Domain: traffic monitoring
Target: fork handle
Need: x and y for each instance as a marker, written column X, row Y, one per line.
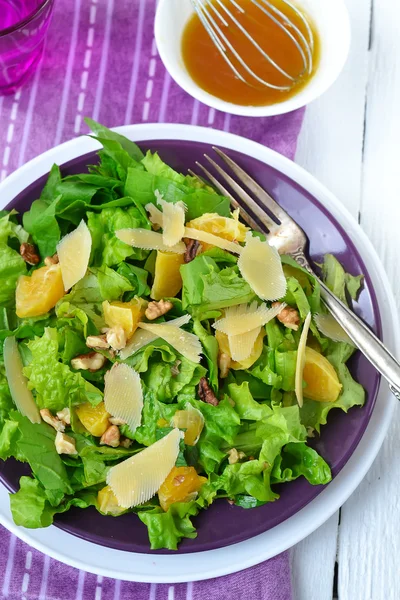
column 377, row 354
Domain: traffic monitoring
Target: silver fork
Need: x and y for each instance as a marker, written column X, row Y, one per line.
column 288, row 237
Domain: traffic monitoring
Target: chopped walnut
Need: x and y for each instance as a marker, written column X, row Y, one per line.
column 157, row 309
column 175, row 368
column 65, row 444
column 29, row 253
column 126, row 443
column 224, row 363
column 178, row 480
column 51, row 260
column 310, row 432
column 110, row 437
column 288, row 316
column 97, row 341
column 116, row 337
column 116, row 421
column 234, row 456
column 206, row 394
column 47, row 417
column 65, row 416
column 193, row 247
column 93, row 361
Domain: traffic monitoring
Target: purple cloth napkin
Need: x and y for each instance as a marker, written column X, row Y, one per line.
column 101, row 60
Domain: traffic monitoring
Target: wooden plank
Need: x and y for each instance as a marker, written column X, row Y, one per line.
column 313, row 563
column 330, row 147
column 331, row 141
column 370, row 531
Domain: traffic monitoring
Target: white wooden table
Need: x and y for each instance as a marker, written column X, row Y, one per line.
column 350, row 141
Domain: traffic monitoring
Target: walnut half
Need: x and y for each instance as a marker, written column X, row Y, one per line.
column 157, row 309
column 193, row 247
column 110, row 437
column 51, row 260
column 93, row 361
column 55, row 422
column 65, row 444
column 234, row 456
column 206, row 394
column 29, row 253
column 289, row 316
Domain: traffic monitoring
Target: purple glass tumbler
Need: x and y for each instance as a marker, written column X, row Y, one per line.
column 23, row 27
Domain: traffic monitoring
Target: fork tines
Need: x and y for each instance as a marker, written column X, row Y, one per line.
column 251, row 212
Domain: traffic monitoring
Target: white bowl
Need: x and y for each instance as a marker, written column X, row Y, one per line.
column 332, row 22
column 169, row 568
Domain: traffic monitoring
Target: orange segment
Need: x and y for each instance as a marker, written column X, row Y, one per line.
column 192, row 421
column 181, row 485
column 125, row 314
column 108, row 503
column 40, row 292
column 228, row 228
column 94, row 418
column 323, row 384
column 223, row 343
column 167, row 278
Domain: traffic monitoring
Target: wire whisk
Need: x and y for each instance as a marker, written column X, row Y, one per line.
column 217, row 17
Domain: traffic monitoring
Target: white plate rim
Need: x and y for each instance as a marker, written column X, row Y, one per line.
column 150, row 568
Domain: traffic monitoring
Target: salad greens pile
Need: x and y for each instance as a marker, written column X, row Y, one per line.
column 254, row 438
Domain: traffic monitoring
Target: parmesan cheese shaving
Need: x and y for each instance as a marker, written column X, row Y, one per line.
column 138, row 478
column 248, row 321
column 301, row 360
column 185, row 343
column 148, row 240
column 329, row 327
column 260, row 265
column 173, row 222
column 213, row 240
column 18, row 383
column 73, row 255
column 155, row 215
column 241, row 346
column 143, row 337
column 123, row 396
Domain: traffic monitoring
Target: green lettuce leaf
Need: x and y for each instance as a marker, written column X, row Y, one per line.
column 264, row 439
column 210, row 347
column 314, row 414
column 12, row 265
column 141, row 186
column 137, row 277
column 6, row 402
column 86, row 296
column 40, row 221
column 54, row 382
column 154, row 165
column 30, row 507
column 107, row 249
column 298, row 460
column 338, row 281
column 36, row 443
column 221, row 425
column 166, row 384
column 106, row 134
column 166, row 529
column 112, row 285
column 207, row 288
column 245, row 405
column 153, row 412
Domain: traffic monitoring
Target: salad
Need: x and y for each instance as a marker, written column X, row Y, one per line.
column 156, row 355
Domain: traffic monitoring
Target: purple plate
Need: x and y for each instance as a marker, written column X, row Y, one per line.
column 222, row 524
